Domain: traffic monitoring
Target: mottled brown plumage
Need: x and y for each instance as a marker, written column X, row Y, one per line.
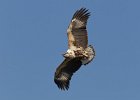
column 77, row 33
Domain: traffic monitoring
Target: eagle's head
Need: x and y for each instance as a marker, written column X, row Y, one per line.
column 69, row 54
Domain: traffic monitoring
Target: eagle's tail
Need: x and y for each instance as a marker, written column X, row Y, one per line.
column 91, row 54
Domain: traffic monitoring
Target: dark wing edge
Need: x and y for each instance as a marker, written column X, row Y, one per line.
column 81, row 16
column 65, row 71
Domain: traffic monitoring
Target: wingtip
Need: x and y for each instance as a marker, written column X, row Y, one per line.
column 82, row 13
column 62, row 81
column 62, row 85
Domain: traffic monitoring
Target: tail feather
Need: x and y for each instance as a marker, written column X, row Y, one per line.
column 91, row 54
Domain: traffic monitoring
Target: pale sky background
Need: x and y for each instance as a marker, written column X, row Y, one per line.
column 33, row 37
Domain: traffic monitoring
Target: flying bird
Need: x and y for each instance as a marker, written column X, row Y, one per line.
column 79, row 52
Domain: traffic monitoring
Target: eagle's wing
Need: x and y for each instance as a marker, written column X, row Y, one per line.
column 77, row 33
column 65, row 71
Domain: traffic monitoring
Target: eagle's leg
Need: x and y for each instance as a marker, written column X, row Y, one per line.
column 85, row 54
column 81, row 53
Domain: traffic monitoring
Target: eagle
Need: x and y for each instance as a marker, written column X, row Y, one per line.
column 79, row 52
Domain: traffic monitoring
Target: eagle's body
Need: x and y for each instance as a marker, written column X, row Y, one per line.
column 86, row 54
column 78, row 53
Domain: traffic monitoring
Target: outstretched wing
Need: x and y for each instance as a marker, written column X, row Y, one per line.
column 77, row 33
column 65, row 71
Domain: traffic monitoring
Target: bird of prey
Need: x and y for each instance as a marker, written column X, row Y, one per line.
column 79, row 52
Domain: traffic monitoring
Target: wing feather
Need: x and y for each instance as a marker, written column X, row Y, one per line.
column 65, row 71
column 77, row 33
